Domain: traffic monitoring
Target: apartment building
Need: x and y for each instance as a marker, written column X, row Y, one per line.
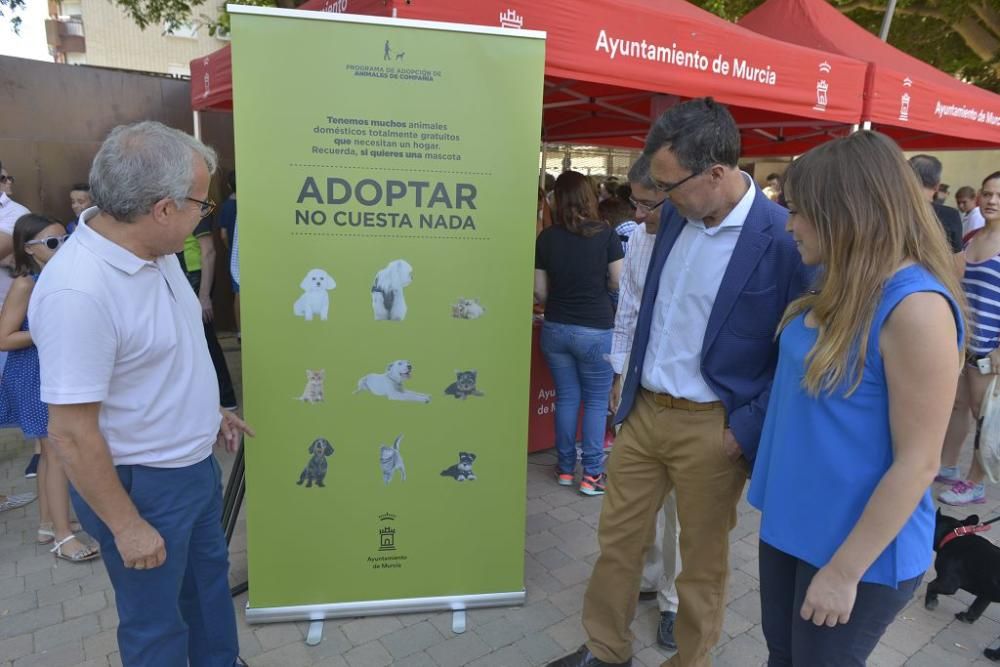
column 98, row 32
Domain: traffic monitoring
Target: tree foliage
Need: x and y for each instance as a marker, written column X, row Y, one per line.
column 961, row 37
column 11, row 7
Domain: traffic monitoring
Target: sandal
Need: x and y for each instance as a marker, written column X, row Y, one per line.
column 46, row 533
column 13, row 502
column 85, row 553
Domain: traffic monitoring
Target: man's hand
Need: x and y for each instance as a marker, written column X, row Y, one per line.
column 141, row 546
column 733, row 449
column 207, row 315
column 615, row 399
column 829, row 598
column 231, row 430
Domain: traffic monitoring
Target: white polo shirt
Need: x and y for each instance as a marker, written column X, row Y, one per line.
column 115, row 329
column 10, row 211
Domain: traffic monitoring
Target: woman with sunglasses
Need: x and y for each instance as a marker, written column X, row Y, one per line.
column 36, row 239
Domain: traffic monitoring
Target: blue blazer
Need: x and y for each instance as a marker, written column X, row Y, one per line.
column 739, row 352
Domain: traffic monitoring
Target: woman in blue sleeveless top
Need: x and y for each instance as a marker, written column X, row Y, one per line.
column 867, row 368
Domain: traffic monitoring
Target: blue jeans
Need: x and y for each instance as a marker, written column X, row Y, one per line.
column 180, row 613
column 576, row 357
column 792, row 641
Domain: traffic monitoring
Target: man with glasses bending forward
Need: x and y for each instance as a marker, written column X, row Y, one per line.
column 697, row 383
column 133, row 400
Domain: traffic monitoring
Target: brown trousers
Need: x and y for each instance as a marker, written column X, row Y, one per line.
column 659, row 449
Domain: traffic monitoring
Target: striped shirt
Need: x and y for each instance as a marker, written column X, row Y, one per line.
column 637, row 255
column 981, row 284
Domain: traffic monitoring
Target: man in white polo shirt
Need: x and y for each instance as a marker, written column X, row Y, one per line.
column 10, row 211
column 133, row 401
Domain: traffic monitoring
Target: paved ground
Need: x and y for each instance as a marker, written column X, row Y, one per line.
column 55, row 614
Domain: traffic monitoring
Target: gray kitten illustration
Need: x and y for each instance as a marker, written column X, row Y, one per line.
column 313, row 393
column 391, row 460
column 464, row 386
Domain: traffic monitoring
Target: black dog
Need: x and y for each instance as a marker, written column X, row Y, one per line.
column 964, row 561
column 315, row 470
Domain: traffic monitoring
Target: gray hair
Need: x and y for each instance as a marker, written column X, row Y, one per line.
column 928, row 170
column 140, row 164
column 639, row 173
column 700, row 132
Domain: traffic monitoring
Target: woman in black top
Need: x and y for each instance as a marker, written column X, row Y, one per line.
column 577, row 261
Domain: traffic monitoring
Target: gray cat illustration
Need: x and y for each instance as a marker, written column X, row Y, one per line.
column 464, row 386
column 391, row 460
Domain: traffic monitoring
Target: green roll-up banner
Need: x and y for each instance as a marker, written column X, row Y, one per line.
column 387, row 181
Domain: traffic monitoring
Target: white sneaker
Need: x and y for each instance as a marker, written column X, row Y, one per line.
column 964, row 493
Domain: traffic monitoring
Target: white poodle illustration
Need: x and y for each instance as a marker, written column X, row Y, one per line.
column 390, row 383
column 387, row 290
column 314, row 299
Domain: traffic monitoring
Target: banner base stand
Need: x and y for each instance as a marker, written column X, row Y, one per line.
column 319, row 612
column 458, row 622
column 315, row 635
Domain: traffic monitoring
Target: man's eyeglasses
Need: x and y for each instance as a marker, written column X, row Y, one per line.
column 667, row 187
column 206, row 206
column 6, row 178
column 649, row 208
column 50, row 242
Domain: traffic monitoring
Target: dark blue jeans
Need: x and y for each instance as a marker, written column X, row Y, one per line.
column 576, row 357
column 792, row 641
column 180, row 613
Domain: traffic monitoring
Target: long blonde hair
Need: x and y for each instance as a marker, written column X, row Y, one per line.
column 870, row 216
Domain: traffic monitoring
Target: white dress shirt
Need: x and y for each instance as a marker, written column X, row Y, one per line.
column 637, row 254
column 972, row 221
column 10, row 211
column 689, row 283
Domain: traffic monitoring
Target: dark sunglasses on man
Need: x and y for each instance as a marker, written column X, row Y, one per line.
column 50, row 242
column 6, row 179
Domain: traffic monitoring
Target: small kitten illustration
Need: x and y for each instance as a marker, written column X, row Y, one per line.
column 313, row 393
column 391, row 460
column 462, row 470
column 467, row 309
column 464, row 386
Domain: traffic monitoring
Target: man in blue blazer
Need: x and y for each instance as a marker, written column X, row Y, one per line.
column 722, row 272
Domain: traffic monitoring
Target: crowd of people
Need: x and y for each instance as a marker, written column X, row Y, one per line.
column 824, row 337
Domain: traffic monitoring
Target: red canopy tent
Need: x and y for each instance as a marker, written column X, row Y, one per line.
column 921, row 107
column 613, row 65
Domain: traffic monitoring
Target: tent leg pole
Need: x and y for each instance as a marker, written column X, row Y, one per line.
column 197, row 125
column 543, row 171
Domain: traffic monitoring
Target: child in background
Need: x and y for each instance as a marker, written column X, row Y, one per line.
column 36, row 239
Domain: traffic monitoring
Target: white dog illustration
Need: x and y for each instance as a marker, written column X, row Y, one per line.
column 390, row 383
column 387, row 290
column 314, row 300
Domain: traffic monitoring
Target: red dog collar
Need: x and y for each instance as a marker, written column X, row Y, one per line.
column 962, row 530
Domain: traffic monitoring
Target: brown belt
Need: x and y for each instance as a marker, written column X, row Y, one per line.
column 668, row 401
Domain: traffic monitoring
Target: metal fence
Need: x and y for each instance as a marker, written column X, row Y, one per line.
column 589, row 160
